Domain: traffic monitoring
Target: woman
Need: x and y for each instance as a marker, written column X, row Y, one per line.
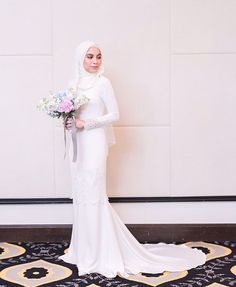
column 100, row 241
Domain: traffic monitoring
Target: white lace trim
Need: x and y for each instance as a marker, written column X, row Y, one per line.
column 92, row 124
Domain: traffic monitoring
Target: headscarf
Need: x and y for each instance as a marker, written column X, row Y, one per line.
column 83, row 79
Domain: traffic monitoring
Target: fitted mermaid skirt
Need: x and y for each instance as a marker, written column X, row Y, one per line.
column 100, row 241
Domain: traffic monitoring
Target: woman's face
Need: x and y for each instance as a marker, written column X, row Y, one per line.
column 92, row 60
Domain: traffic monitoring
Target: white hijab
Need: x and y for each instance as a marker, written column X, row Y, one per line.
column 83, row 79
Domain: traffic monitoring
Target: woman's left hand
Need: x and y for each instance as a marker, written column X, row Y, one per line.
column 79, row 123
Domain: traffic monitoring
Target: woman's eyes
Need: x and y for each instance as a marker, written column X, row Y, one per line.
column 90, row 57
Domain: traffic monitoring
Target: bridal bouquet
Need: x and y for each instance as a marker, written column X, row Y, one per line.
column 63, row 105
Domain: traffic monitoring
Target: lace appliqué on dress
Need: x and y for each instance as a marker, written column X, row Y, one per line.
column 90, row 186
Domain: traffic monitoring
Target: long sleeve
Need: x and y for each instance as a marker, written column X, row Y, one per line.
column 112, row 114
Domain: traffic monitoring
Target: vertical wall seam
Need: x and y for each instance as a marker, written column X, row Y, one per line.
column 52, row 87
column 170, row 99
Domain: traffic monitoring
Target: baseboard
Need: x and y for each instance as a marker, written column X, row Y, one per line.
column 143, row 232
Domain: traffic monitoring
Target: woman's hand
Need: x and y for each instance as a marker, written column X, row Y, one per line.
column 68, row 123
column 79, row 123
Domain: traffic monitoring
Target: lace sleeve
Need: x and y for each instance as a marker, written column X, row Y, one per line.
column 112, row 114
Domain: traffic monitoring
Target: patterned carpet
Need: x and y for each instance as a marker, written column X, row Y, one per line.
column 32, row 264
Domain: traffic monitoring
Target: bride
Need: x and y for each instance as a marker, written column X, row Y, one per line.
column 100, row 241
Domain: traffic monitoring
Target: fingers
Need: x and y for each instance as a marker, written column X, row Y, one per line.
column 68, row 123
column 78, row 123
column 68, row 120
column 68, row 127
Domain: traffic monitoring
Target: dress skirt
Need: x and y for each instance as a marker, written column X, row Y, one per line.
column 100, row 241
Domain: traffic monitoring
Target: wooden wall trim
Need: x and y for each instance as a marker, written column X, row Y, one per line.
column 143, row 232
column 120, row 199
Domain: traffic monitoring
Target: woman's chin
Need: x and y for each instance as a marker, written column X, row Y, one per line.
column 93, row 70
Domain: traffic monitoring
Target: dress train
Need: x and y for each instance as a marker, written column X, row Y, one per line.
column 101, row 242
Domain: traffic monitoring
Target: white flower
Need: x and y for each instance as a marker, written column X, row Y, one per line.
column 80, row 100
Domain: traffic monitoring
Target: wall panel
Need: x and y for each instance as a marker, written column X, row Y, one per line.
column 203, row 26
column 26, row 135
column 25, row 27
column 203, row 138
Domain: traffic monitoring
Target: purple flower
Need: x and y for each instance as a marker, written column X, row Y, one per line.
column 66, row 106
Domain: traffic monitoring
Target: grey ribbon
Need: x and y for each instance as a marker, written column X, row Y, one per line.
column 74, row 139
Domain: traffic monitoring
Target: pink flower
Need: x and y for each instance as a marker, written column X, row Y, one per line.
column 66, row 106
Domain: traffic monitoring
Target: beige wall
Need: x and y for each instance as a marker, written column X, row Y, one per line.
column 173, row 66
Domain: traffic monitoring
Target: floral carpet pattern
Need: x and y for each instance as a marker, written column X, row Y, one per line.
column 32, row 264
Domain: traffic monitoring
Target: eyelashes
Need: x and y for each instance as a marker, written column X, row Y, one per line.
column 91, row 56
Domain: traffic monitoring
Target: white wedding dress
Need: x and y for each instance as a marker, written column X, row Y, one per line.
column 100, row 241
